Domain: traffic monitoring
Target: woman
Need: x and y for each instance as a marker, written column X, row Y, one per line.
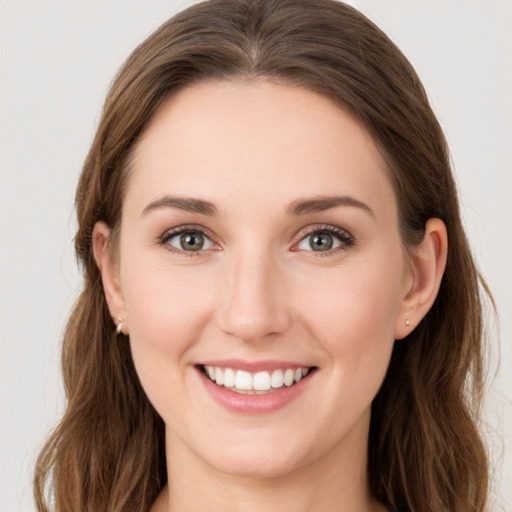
column 280, row 308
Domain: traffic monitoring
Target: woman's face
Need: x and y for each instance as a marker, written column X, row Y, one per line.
column 260, row 242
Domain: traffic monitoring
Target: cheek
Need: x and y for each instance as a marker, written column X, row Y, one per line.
column 159, row 311
column 355, row 299
column 166, row 313
column 164, row 303
column 352, row 314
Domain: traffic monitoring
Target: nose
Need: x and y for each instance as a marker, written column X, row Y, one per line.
column 253, row 305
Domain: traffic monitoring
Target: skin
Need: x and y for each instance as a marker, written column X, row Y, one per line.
column 258, row 291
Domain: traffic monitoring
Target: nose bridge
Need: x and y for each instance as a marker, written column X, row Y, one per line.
column 254, row 304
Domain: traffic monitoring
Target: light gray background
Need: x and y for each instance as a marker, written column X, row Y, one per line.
column 57, row 59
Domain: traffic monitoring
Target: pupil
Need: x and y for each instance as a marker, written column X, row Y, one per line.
column 192, row 241
column 321, row 242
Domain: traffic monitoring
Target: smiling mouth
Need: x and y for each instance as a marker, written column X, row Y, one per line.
column 258, row 383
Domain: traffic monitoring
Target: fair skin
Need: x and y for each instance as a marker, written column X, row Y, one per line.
column 263, row 280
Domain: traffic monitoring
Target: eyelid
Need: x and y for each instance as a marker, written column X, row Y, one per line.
column 185, row 228
column 345, row 237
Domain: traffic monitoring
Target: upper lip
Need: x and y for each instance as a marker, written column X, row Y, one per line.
column 253, row 366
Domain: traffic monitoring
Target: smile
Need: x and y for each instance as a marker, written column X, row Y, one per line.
column 258, row 383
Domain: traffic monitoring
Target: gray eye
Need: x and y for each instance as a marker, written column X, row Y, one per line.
column 190, row 241
column 319, row 241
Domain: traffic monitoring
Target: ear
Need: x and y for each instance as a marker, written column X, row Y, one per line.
column 428, row 262
column 109, row 270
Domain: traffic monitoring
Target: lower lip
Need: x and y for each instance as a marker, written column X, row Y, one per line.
column 254, row 404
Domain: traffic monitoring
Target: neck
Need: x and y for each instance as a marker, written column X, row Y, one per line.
column 335, row 481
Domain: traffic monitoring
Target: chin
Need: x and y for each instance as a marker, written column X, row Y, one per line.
column 259, row 468
column 259, row 459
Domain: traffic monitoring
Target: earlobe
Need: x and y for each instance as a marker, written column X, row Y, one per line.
column 109, row 271
column 428, row 262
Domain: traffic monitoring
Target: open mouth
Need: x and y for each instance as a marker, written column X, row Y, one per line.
column 258, row 383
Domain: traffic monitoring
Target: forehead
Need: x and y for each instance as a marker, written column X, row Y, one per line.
column 256, row 143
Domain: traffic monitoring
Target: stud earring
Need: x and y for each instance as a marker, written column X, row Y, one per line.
column 407, row 323
column 119, row 325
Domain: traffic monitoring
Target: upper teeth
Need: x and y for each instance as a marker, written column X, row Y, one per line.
column 240, row 380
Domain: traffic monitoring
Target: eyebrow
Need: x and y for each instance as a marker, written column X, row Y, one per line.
column 297, row 207
column 187, row 204
column 322, row 203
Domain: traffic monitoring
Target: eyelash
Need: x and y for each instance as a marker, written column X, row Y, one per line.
column 344, row 237
column 164, row 239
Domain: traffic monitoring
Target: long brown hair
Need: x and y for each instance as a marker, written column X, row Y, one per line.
column 425, row 452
